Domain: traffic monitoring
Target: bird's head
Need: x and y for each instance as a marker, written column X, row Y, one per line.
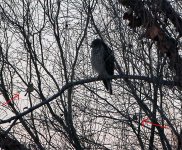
column 30, row 84
column 96, row 43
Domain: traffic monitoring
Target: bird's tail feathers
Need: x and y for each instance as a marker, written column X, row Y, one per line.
column 107, row 84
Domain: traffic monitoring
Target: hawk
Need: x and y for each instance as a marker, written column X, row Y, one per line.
column 102, row 60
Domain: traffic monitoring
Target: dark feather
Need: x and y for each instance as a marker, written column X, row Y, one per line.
column 109, row 60
column 109, row 64
column 105, row 84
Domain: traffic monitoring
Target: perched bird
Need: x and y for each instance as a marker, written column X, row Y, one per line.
column 102, row 60
column 30, row 88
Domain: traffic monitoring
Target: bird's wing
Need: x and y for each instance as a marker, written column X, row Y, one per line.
column 109, row 60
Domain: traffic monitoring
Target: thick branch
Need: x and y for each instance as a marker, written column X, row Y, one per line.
column 71, row 84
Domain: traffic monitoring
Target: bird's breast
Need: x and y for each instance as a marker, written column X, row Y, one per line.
column 98, row 63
